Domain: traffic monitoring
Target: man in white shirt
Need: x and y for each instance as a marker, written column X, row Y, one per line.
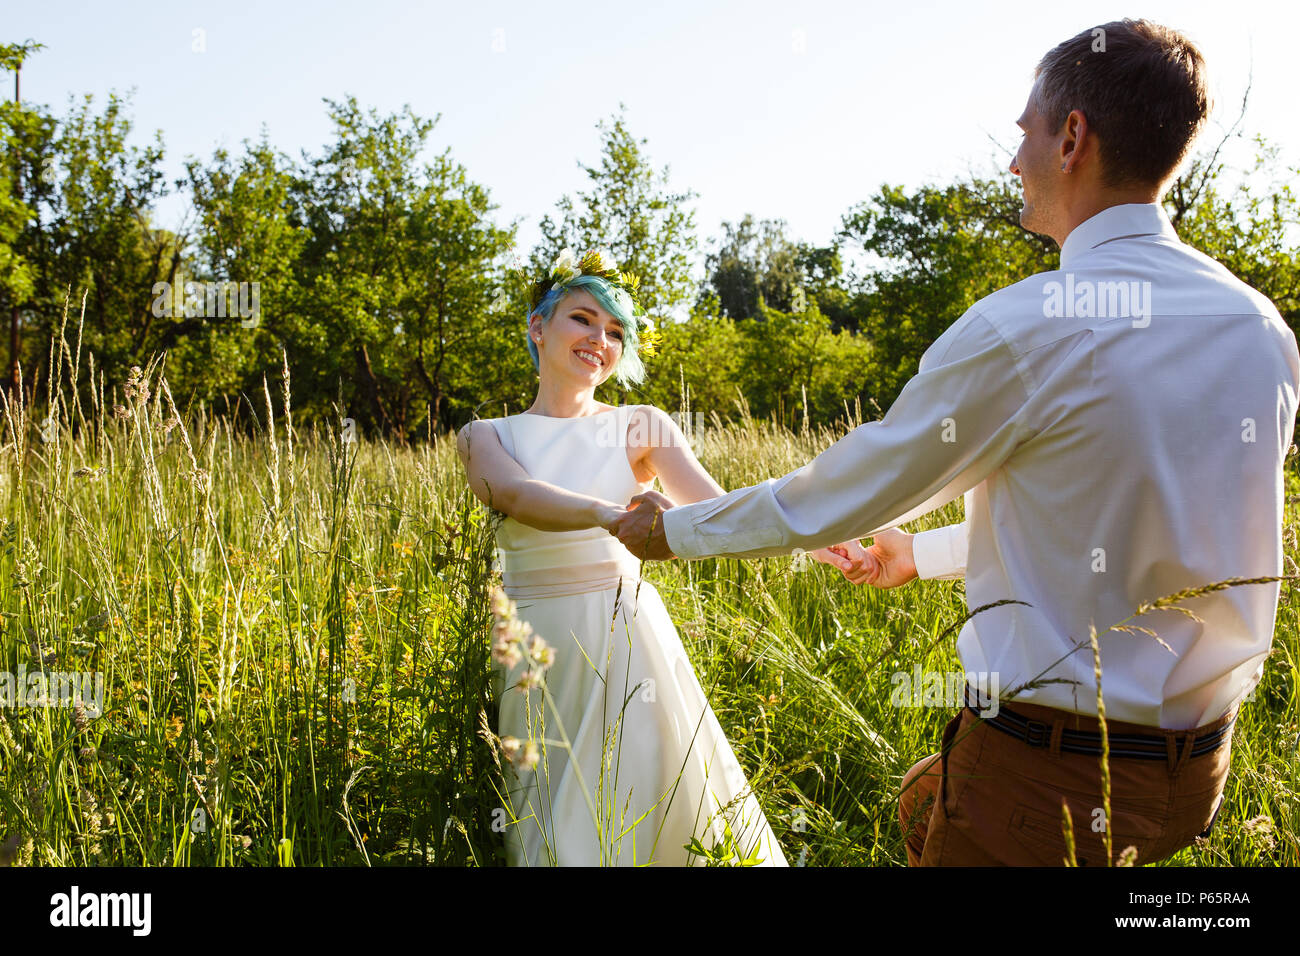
column 1118, row 428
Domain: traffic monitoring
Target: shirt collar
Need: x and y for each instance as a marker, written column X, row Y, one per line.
column 1115, row 222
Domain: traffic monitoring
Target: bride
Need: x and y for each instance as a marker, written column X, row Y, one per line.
column 616, row 756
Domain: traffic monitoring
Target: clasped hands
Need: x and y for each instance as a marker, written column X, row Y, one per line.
column 887, row 563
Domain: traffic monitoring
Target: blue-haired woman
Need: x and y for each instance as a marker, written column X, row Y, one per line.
column 615, row 755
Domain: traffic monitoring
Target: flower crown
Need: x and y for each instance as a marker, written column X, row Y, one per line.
column 596, row 262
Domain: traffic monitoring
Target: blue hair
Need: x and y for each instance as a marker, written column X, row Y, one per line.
column 629, row 369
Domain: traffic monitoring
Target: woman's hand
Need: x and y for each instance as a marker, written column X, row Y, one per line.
column 607, row 515
column 610, row 514
column 654, row 498
column 850, row 557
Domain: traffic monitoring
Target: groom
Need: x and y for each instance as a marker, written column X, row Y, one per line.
column 1118, row 428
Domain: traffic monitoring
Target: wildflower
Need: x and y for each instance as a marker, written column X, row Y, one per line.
column 137, row 386
column 528, row 760
column 502, row 606
column 565, row 266
column 506, row 652
column 79, row 719
column 121, row 413
column 1262, row 828
column 543, row 654
column 93, row 821
column 651, row 339
column 510, row 747
column 531, row 678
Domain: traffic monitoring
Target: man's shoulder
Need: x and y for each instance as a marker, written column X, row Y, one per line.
column 1174, row 279
column 1228, row 285
column 1009, row 312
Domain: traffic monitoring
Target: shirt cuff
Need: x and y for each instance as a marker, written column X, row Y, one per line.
column 940, row 554
column 677, row 530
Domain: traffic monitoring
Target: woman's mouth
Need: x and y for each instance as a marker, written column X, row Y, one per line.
column 590, row 358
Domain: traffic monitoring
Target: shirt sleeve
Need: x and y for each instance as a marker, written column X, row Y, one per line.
column 959, row 418
column 941, row 552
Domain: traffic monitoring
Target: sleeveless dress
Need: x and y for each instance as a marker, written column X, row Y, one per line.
column 634, row 765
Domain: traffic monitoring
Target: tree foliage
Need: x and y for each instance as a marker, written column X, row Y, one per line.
column 400, row 302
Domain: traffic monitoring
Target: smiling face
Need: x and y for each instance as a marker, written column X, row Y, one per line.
column 581, row 343
column 1038, row 164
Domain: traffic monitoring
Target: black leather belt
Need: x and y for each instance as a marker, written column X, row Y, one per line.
column 1037, row 733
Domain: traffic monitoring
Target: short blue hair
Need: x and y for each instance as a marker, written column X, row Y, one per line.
column 629, row 369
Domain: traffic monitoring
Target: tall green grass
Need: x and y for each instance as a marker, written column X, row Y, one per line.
column 294, row 632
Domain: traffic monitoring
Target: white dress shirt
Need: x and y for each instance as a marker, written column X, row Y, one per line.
column 1112, row 456
column 940, row 553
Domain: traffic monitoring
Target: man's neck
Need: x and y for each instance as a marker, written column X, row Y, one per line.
column 1085, row 206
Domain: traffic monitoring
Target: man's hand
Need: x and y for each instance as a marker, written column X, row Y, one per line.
column 892, row 553
column 641, row 527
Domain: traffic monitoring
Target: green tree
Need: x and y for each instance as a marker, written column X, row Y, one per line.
column 940, row 250
column 631, row 211
column 796, row 364
column 22, row 173
column 250, row 231
column 1250, row 226
column 401, row 266
column 100, row 237
column 754, row 260
column 704, row 355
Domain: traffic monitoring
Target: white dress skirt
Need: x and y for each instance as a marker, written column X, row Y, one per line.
column 633, row 765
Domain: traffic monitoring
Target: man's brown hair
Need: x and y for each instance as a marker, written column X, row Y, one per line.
column 1143, row 90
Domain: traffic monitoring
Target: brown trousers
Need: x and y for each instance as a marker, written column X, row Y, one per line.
column 988, row 799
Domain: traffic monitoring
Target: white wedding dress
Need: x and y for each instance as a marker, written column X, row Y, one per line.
column 646, row 768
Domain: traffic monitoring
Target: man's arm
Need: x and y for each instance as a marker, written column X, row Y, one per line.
column 957, row 420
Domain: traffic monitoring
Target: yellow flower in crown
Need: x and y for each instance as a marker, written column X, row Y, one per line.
column 651, row 338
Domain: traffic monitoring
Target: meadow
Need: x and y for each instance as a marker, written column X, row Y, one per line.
column 293, row 629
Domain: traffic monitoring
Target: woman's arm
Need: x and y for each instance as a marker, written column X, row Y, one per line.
column 501, row 483
column 669, row 457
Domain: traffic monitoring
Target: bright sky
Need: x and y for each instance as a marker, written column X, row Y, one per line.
column 785, row 110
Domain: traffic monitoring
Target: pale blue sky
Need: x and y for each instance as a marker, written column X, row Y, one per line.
column 785, row 110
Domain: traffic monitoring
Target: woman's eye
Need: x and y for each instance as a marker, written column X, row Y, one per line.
column 583, row 320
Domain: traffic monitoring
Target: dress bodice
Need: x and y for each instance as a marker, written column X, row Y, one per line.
column 588, row 456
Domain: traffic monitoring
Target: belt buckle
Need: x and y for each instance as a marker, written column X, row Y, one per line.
column 1037, row 733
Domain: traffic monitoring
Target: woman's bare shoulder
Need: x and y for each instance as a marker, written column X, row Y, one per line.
column 651, row 427
column 480, row 430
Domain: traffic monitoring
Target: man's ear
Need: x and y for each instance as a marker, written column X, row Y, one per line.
column 1076, row 142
